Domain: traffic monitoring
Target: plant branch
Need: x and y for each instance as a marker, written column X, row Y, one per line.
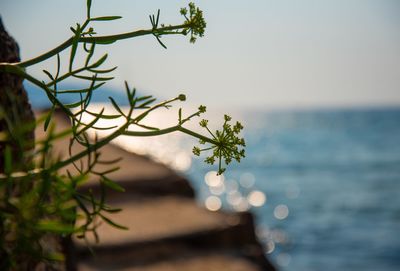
column 102, row 39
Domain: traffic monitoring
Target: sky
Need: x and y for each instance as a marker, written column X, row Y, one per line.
column 262, row 54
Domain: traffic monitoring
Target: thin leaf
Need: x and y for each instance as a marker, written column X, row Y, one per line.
column 74, row 46
column 116, row 106
column 90, row 124
column 143, row 98
column 58, row 69
column 141, row 116
column 152, row 21
column 133, row 93
column 82, row 205
column 81, row 90
column 90, row 54
column 48, row 118
column 99, row 62
column 103, row 116
column 91, row 78
column 161, row 43
column 49, row 75
column 106, row 171
column 145, row 104
column 73, row 105
column 88, row 97
column 104, row 128
column 108, row 162
column 111, row 184
column 111, row 210
column 103, row 71
column 158, row 17
column 128, row 92
column 88, row 6
column 112, row 223
column 85, row 47
column 106, row 18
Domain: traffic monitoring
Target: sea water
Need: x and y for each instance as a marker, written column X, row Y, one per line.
column 328, row 186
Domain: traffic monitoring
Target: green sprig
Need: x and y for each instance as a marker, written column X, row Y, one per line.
column 227, row 144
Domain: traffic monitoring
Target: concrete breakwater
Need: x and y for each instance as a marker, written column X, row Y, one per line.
column 167, row 229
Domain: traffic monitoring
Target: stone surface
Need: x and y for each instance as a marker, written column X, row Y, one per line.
column 194, row 261
column 161, row 228
column 149, row 219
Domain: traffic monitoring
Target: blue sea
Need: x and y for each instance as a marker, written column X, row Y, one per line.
column 332, row 184
column 324, row 186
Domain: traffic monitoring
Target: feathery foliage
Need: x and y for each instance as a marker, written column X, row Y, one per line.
column 40, row 200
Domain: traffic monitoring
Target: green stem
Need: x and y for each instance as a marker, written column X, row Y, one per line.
column 152, row 133
column 170, row 130
column 46, row 55
column 159, row 31
column 199, row 136
column 101, row 39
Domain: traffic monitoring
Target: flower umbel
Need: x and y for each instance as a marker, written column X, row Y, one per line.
column 195, row 22
column 226, row 145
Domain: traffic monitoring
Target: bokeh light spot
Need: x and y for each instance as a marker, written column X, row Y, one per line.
column 242, row 205
column 269, row 247
column 281, row 211
column 247, row 180
column 233, row 197
column 283, row 259
column 212, row 179
column 217, row 190
column 256, row 198
column 213, row 203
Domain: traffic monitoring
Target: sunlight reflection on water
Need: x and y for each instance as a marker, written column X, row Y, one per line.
column 230, row 193
column 213, row 203
column 256, row 198
column 281, row 211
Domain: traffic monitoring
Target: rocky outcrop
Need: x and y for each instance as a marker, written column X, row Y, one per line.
column 16, row 115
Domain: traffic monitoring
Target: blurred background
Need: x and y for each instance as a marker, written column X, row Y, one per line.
column 316, row 85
